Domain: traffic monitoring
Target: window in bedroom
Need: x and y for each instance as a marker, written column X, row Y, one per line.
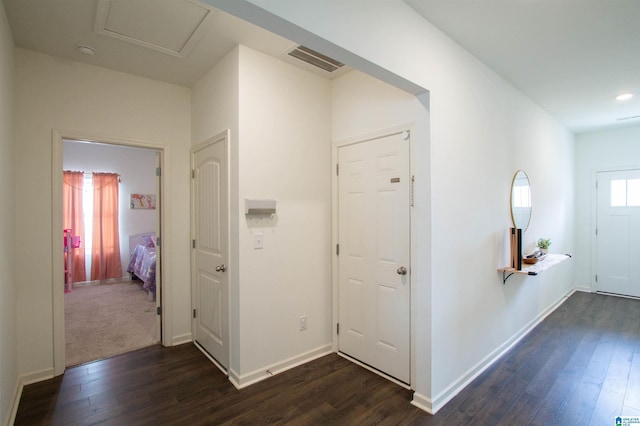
column 87, row 208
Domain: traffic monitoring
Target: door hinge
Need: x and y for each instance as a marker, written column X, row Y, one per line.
column 194, row 313
column 596, row 232
column 596, row 277
column 337, row 249
column 337, row 169
column 338, row 328
column 158, row 242
column 412, row 190
column 159, row 310
column 158, row 171
column 193, row 173
column 193, row 243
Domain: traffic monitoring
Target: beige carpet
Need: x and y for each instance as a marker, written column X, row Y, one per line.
column 106, row 320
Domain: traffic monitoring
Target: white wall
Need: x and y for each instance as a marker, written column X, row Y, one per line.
column 8, row 342
column 214, row 100
column 284, row 154
column 363, row 106
column 214, row 108
column 481, row 131
column 54, row 93
column 137, row 170
column 279, row 117
column 598, row 151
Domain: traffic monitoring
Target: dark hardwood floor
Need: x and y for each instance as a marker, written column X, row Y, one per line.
column 580, row 366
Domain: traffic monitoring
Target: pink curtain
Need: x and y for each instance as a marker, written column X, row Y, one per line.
column 105, row 258
column 73, row 218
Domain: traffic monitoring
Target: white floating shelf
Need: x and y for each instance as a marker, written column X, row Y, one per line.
column 548, row 262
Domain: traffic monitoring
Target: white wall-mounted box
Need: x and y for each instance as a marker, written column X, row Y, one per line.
column 259, row 206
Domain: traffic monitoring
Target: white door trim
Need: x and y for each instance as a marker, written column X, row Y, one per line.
column 57, row 278
column 225, row 136
column 334, row 233
column 593, row 286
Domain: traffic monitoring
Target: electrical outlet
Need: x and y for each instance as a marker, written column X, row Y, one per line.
column 302, row 321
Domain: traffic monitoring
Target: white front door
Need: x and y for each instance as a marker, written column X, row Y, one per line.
column 374, row 254
column 618, row 232
column 210, row 248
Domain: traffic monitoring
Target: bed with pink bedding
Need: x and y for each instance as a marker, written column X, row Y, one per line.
column 142, row 260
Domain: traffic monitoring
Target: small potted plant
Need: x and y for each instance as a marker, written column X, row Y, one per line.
column 543, row 244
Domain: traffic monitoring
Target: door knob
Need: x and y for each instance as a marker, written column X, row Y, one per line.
column 221, row 268
column 402, row 270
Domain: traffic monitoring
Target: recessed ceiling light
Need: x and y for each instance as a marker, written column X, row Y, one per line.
column 624, row 97
column 86, row 50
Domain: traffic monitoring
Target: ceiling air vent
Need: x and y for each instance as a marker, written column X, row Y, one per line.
column 316, row 59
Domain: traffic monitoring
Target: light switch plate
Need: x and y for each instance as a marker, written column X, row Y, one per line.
column 258, row 241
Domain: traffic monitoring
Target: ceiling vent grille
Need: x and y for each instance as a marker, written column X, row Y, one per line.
column 314, row 58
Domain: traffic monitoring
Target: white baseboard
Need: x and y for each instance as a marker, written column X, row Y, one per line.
column 26, row 379
column 242, row 381
column 17, row 394
column 234, row 378
column 584, row 289
column 100, row 282
column 422, row 402
column 181, row 338
column 36, row 376
column 458, row 385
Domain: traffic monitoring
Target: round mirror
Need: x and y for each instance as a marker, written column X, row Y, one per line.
column 520, row 200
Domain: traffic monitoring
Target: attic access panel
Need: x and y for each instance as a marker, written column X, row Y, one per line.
column 172, row 27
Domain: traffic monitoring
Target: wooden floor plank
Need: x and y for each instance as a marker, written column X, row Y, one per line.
column 607, row 408
column 581, row 365
column 580, row 405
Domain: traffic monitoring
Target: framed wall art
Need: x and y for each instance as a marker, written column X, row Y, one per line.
column 143, row 201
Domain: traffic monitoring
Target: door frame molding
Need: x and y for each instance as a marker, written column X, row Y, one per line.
column 593, row 285
column 57, row 278
column 335, row 146
column 224, row 136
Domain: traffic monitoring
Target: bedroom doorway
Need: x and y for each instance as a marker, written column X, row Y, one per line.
column 112, row 255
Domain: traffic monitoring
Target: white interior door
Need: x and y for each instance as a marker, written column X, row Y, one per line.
column 618, row 232
column 210, row 248
column 374, row 247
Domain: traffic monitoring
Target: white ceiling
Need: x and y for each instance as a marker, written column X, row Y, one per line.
column 572, row 57
column 177, row 42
